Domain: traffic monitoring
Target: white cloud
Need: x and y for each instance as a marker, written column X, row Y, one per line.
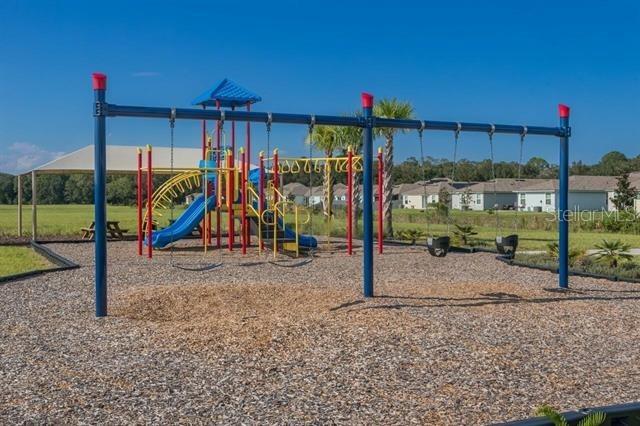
column 145, row 74
column 20, row 157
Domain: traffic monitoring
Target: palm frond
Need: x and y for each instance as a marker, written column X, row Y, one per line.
column 597, row 418
column 556, row 418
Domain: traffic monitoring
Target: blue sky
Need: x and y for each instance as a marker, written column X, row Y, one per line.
column 497, row 61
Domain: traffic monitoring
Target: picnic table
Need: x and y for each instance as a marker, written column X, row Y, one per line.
column 113, row 230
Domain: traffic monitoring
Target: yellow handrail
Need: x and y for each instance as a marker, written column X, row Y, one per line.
column 292, row 165
column 163, row 196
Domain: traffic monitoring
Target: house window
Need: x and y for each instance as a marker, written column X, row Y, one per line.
column 478, row 199
column 523, row 200
column 547, row 198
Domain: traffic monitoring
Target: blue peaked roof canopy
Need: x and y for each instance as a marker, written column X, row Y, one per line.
column 228, row 93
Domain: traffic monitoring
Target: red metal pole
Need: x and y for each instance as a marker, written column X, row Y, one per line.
column 248, row 143
column 275, row 198
column 233, row 133
column 139, row 201
column 149, row 204
column 230, row 200
column 204, row 136
column 243, row 195
column 218, row 183
column 261, row 194
column 380, row 179
column 349, row 201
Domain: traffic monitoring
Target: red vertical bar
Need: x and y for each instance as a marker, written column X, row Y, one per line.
column 275, row 198
column 349, row 201
column 204, row 136
column 149, row 204
column 218, row 183
column 139, row 201
column 248, row 143
column 380, row 180
column 233, row 133
column 229, row 197
column 243, row 194
column 261, row 193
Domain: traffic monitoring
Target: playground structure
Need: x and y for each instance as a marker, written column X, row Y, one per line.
column 228, row 186
column 367, row 122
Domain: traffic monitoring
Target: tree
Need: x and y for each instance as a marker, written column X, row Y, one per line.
column 395, row 109
column 7, row 189
column 79, row 189
column 612, row 163
column 444, row 198
column 325, row 138
column 624, row 194
column 352, row 137
column 120, row 190
column 535, row 167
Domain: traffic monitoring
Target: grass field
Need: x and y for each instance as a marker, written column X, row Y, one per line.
column 66, row 220
column 15, row 260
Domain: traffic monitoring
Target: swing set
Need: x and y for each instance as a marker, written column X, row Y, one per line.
column 367, row 121
column 439, row 246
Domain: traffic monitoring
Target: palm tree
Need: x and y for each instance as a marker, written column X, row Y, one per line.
column 612, row 252
column 390, row 108
column 352, row 137
column 325, row 138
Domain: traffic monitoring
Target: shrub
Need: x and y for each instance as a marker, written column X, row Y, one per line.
column 612, row 252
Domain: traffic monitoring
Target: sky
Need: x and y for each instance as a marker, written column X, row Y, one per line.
column 508, row 62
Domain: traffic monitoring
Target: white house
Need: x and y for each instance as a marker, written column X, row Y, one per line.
column 586, row 193
column 500, row 194
column 415, row 198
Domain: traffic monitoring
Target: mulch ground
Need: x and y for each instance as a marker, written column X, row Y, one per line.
column 231, row 339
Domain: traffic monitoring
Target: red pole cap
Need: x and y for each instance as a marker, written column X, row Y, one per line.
column 563, row 110
column 99, row 81
column 367, row 100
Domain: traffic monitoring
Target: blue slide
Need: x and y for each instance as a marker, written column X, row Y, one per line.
column 193, row 215
column 185, row 223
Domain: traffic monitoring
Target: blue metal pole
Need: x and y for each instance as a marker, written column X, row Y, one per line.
column 99, row 195
column 367, row 208
column 563, row 204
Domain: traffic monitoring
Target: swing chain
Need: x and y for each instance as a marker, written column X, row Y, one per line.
column 424, row 175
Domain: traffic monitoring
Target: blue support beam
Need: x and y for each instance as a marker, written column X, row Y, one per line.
column 367, row 195
column 99, row 195
column 563, row 203
column 367, row 122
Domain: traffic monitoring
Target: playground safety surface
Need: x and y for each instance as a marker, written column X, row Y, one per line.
column 461, row 340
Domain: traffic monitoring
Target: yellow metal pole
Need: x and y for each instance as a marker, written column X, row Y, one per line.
column 297, row 232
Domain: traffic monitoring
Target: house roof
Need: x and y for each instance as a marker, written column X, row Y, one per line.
column 501, row 185
column 228, row 94
column 296, row 189
column 576, row 183
column 433, row 188
column 402, row 188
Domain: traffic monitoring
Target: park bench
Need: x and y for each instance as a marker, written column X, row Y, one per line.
column 113, row 230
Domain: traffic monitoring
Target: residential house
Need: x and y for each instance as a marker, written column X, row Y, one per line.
column 586, row 193
column 416, row 199
column 296, row 192
column 500, row 194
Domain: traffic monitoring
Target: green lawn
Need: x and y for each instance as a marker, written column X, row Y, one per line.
column 14, row 260
column 66, row 220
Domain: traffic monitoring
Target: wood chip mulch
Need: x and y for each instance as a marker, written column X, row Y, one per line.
column 231, row 339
